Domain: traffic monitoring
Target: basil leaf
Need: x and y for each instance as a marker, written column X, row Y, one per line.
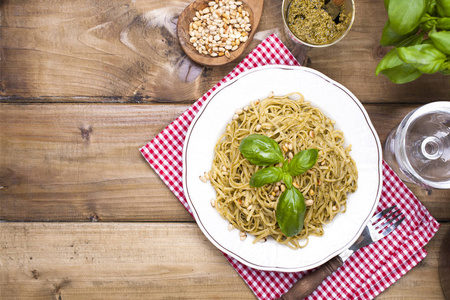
column 443, row 23
column 405, row 15
column 443, row 8
column 431, row 9
column 261, row 150
column 290, row 211
column 446, row 68
column 386, row 4
column 287, row 179
column 441, row 40
column 266, row 175
column 391, row 37
column 426, row 58
column 391, row 59
column 428, row 22
column 303, row 161
column 402, row 74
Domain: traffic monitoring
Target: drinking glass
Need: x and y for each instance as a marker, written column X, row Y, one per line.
column 418, row 149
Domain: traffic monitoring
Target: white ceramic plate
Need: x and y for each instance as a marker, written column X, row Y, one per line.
column 336, row 102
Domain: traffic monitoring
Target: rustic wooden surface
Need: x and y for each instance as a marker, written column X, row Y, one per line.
column 83, row 85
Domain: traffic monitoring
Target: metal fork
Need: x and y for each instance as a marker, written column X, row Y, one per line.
column 380, row 225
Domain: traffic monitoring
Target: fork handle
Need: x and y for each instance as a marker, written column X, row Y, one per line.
column 307, row 284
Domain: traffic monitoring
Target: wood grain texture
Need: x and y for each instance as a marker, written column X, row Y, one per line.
column 72, row 162
column 138, row 261
column 78, row 162
column 128, row 51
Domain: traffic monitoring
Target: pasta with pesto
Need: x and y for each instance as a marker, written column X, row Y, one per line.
column 296, row 125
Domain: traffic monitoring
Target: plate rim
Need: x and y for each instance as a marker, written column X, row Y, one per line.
column 379, row 169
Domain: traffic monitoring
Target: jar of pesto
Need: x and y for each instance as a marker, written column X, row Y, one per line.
column 307, row 22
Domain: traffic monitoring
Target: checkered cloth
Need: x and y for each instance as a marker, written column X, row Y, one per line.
column 366, row 273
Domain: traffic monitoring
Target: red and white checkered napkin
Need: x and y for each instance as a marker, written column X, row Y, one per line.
column 366, row 273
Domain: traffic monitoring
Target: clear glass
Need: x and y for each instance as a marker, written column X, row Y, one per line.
column 418, row 149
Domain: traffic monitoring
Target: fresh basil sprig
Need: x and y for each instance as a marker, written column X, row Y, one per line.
column 263, row 151
column 419, row 30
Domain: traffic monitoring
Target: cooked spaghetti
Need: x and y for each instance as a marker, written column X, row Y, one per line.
column 296, row 126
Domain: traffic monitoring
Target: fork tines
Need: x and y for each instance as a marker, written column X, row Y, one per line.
column 387, row 220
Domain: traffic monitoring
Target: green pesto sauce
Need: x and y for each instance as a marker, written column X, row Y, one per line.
column 309, row 22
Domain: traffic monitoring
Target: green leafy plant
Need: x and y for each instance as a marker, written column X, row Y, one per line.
column 419, row 30
column 261, row 150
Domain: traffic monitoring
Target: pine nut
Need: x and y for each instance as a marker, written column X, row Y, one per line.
column 213, row 202
column 258, row 127
column 203, row 179
column 222, row 21
column 296, row 185
column 309, row 202
column 230, row 227
column 311, row 192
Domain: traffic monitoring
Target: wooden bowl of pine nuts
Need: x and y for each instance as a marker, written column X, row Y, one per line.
column 216, row 32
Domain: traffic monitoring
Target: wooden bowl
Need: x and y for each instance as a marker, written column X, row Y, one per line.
column 254, row 7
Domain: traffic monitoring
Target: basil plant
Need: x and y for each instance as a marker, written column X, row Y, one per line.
column 420, row 32
column 261, row 150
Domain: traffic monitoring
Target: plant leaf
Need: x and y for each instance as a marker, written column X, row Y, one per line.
column 443, row 8
column 443, row 23
column 287, row 179
column 405, row 15
column 303, row 161
column 266, row 175
column 426, row 58
column 290, row 211
column 391, row 37
column 431, row 9
column 402, row 74
column 391, row 59
column 261, row 150
column 441, row 40
column 428, row 22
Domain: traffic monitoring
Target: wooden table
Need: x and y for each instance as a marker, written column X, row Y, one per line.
column 83, row 85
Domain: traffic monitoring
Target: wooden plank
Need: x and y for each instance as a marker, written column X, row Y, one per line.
column 113, row 261
column 121, row 260
column 82, row 162
column 128, row 51
column 71, row 162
